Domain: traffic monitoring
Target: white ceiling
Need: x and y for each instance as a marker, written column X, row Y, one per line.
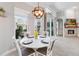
column 55, row 5
column 59, row 7
column 66, row 5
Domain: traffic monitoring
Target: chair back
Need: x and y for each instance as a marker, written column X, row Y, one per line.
column 50, row 47
column 17, row 46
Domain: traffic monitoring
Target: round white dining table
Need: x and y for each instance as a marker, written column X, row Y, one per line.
column 35, row 44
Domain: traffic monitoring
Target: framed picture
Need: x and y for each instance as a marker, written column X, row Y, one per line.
column 71, row 21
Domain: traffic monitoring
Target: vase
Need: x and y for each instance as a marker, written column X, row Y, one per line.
column 35, row 34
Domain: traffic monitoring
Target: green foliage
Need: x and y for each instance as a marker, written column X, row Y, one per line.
column 19, row 31
column 25, row 30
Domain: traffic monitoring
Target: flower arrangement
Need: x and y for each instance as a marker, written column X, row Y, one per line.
column 36, row 34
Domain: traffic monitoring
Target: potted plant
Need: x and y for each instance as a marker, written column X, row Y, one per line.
column 25, row 32
column 19, row 32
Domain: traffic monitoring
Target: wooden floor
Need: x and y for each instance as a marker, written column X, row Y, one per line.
column 63, row 47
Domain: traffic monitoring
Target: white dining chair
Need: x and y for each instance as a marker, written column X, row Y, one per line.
column 22, row 51
column 50, row 48
column 46, row 51
column 17, row 46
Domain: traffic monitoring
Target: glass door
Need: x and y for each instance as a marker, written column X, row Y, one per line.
column 50, row 25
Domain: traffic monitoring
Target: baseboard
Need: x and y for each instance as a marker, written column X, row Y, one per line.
column 8, row 52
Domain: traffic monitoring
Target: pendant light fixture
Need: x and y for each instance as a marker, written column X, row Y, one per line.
column 38, row 11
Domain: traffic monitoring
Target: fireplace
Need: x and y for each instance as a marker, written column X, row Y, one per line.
column 70, row 27
column 70, row 31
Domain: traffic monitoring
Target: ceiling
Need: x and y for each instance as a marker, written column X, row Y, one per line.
column 55, row 5
column 58, row 7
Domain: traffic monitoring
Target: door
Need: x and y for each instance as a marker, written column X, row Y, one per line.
column 50, row 25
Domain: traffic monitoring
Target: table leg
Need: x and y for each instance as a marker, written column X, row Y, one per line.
column 36, row 54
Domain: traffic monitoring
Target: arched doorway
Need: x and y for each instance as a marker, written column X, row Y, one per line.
column 59, row 27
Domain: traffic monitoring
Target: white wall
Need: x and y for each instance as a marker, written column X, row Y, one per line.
column 6, row 28
column 77, row 17
column 70, row 13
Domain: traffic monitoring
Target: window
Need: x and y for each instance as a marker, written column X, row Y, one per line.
column 21, row 22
